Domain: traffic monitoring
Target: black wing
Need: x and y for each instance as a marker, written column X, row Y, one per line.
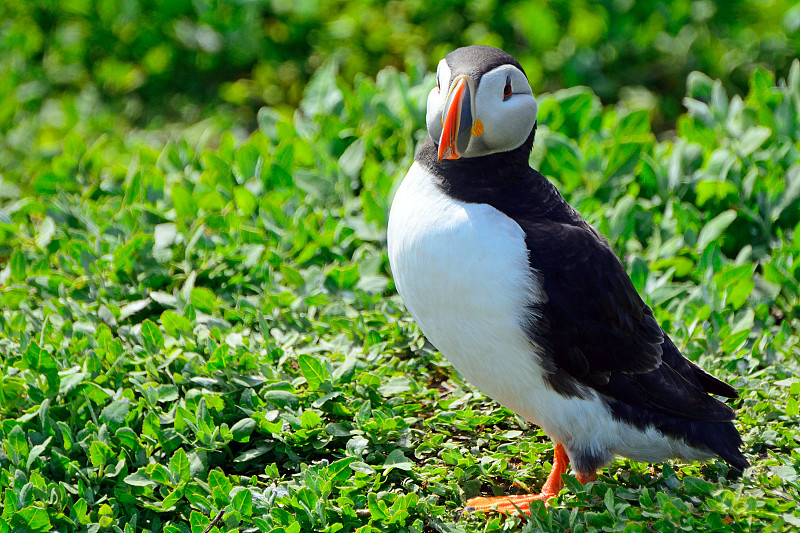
column 598, row 331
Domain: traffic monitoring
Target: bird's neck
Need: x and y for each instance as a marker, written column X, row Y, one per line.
column 503, row 180
column 469, row 178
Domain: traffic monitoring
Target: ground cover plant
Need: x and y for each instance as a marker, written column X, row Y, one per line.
column 209, row 326
column 199, row 330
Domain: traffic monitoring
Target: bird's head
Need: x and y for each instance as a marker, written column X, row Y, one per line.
column 482, row 104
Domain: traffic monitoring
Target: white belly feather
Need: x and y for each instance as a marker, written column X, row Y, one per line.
column 462, row 270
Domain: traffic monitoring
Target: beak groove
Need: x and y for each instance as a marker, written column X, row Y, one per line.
column 457, row 119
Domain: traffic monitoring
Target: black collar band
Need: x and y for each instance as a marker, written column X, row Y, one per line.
column 504, row 180
column 488, row 171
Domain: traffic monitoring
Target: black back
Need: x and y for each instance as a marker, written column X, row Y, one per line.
column 595, row 329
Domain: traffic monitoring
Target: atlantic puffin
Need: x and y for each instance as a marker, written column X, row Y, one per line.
column 528, row 301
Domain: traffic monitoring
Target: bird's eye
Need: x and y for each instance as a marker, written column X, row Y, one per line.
column 507, row 89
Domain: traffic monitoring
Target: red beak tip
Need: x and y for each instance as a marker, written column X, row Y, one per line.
column 447, row 152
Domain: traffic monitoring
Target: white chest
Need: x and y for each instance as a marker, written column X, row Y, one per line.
column 462, row 270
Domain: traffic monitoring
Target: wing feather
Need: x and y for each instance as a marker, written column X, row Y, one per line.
column 599, row 331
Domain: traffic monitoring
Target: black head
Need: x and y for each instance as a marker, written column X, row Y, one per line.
column 482, row 104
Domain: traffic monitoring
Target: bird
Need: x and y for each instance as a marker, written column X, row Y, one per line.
column 528, row 301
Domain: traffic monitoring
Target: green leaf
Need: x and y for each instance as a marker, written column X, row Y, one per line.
column 377, row 509
column 608, row 500
column 94, row 392
column 339, row 430
column 179, row 467
column 4, row 218
column 205, row 300
column 322, row 93
column 792, row 407
column 248, row 160
column 339, row 470
column 292, row 276
column 115, row 413
column 395, row 385
column 198, row 463
column 220, row 487
column 733, row 274
column 344, row 277
column 309, row 420
column 198, row 521
column 140, row 479
column 159, row 473
column 182, row 202
column 167, row 393
column 714, row 228
column 313, row 370
column 99, row 453
column 81, row 511
column 737, row 294
column 12, row 298
column 785, row 472
column 251, row 454
column 242, row 429
column 132, row 308
column 16, row 445
column 32, row 519
column 151, row 426
column 45, row 233
column 714, row 189
column 732, row 342
column 36, row 451
column 172, row 498
column 245, row 200
column 10, row 504
column 153, row 338
column 17, row 263
column 791, row 519
column 175, row 324
column 573, row 485
column 243, row 502
column 752, row 139
column 39, row 359
column 352, row 159
column 396, row 459
column 364, row 468
column 197, row 496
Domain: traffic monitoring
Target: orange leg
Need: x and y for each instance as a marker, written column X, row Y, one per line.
column 551, row 488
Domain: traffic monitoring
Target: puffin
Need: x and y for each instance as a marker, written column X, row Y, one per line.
column 528, row 301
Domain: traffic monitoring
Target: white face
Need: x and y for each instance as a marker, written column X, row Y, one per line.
column 507, row 119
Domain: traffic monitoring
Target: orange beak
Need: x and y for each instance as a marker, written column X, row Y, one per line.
column 458, row 119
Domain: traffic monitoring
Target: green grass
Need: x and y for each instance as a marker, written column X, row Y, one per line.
column 196, row 322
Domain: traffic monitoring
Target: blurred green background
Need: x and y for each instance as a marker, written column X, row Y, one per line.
column 154, row 59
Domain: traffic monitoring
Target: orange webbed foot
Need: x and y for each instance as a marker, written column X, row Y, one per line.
column 506, row 504
column 513, row 504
